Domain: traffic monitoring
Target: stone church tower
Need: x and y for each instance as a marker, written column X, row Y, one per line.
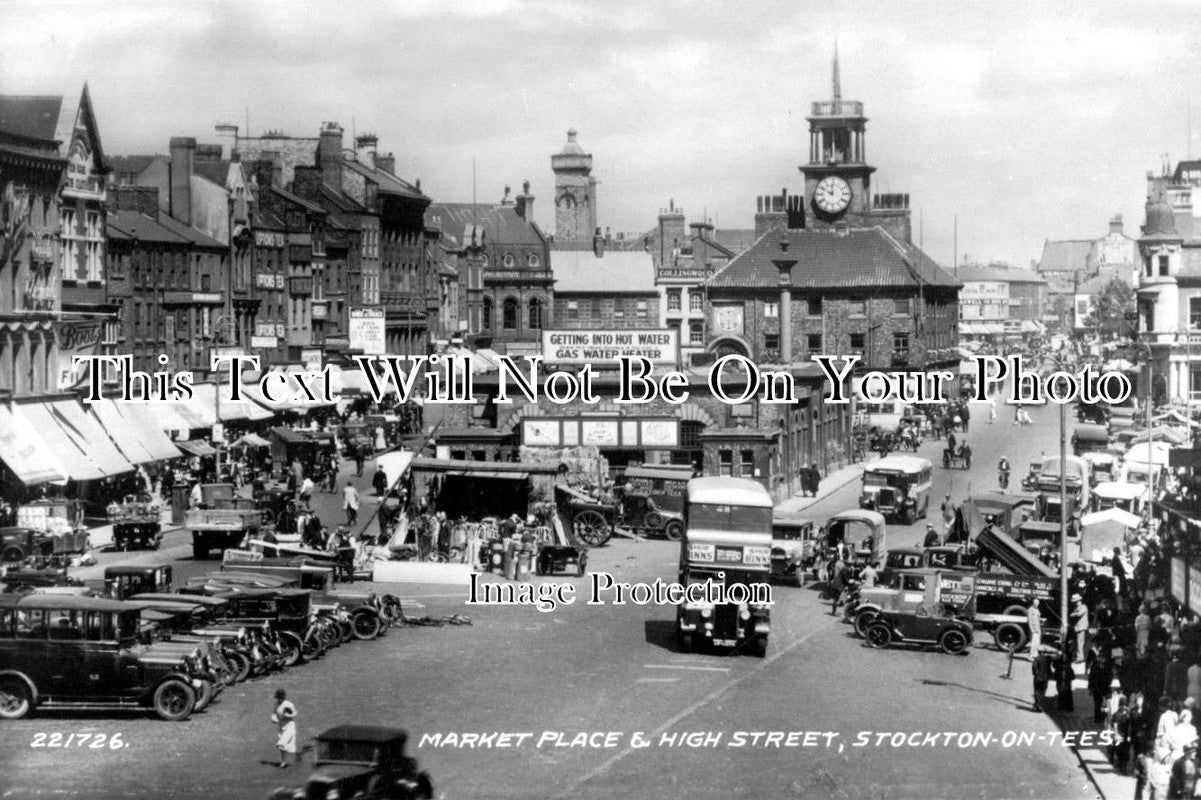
column 575, row 194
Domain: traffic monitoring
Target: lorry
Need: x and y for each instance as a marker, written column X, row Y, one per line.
column 222, row 521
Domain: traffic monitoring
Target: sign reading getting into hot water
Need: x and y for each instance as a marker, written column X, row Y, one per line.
column 660, row 345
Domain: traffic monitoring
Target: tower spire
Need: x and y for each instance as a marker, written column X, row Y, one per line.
column 837, row 82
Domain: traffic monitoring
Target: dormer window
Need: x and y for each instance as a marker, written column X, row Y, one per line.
column 508, row 261
column 533, row 261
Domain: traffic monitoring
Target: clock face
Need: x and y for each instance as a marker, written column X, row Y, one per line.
column 832, row 195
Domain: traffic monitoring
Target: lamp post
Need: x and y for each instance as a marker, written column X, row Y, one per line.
column 1139, row 348
column 1063, row 519
column 219, row 334
column 1183, row 330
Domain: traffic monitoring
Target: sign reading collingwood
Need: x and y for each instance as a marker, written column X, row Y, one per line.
column 660, row 345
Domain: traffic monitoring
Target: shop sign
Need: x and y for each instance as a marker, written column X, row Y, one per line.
column 660, row 345
column 268, row 280
column 367, row 330
column 264, row 342
column 627, row 433
column 268, row 239
column 1179, row 588
column 677, row 273
column 75, row 339
column 1194, row 590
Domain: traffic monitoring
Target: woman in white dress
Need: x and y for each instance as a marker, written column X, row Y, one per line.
column 285, row 718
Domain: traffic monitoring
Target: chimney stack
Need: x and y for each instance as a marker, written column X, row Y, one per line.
column 525, row 203
column 671, row 230
column 771, row 213
column 365, row 147
column 227, row 135
column 387, row 163
column 1115, row 224
column 183, row 154
column 329, row 154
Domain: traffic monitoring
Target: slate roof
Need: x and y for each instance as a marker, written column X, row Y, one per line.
column 502, row 224
column 388, row 183
column 215, row 171
column 1065, row 255
column 1103, row 278
column 134, row 165
column 31, row 116
column 735, row 240
column 136, row 225
column 620, row 272
column 189, row 233
column 999, row 274
column 300, row 201
column 863, row 258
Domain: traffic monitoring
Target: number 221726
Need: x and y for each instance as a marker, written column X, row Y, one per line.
column 92, row 741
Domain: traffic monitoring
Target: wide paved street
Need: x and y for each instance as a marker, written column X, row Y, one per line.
column 614, row 669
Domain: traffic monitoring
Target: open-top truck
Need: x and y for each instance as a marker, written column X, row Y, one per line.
column 223, row 520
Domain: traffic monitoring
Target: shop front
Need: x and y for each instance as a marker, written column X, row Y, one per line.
column 473, row 490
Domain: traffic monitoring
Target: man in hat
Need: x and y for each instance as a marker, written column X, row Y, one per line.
column 1034, row 621
column 1040, row 670
column 1184, row 773
column 931, row 539
column 948, row 515
column 1079, row 618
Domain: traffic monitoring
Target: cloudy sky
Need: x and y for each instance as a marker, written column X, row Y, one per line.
column 1029, row 121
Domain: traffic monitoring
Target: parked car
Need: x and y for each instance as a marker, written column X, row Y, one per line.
column 794, row 546
column 65, row 651
column 931, row 623
column 365, row 762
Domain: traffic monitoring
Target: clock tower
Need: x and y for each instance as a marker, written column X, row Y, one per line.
column 837, row 177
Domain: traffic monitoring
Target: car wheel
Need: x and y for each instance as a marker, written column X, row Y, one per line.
column 1010, row 636
column 759, row 647
column 863, row 621
column 174, row 700
column 291, row 649
column 366, row 625
column 674, row 530
column 653, row 521
column 12, row 553
column 591, row 527
column 240, row 665
column 204, row 696
column 311, row 646
column 199, row 552
column 15, row 698
column 953, row 641
column 878, row 635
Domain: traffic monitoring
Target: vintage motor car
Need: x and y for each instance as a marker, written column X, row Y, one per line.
column 365, row 762
column 904, row 590
column 1090, row 439
column 898, row 487
column 287, row 611
column 187, row 619
column 1030, row 479
column 857, row 530
column 794, row 547
column 932, row 622
column 727, row 540
column 652, row 500
column 121, row 581
column 136, row 522
column 1130, row 497
column 83, row 652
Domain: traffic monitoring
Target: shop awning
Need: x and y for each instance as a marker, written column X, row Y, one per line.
column 168, row 418
column 136, row 432
column 205, row 397
column 26, row 454
column 286, row 390
column 196, row 447
column 253, row 440
column 80, row 445
column 488, row 473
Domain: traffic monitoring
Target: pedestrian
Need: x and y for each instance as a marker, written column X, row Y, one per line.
column 1119, row 571
column 306, row 489
column 1064, row 675
column 1183, row 783
column 869, row 576
column 992, row 412
column 379, row 481
column 948, row 517
column 965, row 453
column 815, row 478
column 1100, row 676
column 1142, row 630
column 965, row 416
column 837, row 584
column 1159, row 771
column 284, row 718
column 1080, row 627
column 360, row 455
column 1040, row 671
column 931, row 539
column 350, row 502
column 1034, row 621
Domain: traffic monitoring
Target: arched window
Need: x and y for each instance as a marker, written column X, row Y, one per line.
column 534, row 261
column 487, row 321
column 508, row 261
column 509, row 314
column 536, row 307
